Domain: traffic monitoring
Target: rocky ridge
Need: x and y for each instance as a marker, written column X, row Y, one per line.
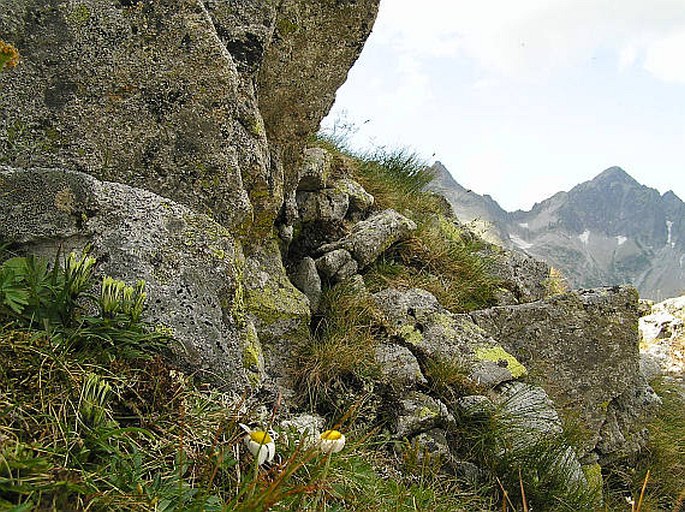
column 189, row 169
column 609, row 230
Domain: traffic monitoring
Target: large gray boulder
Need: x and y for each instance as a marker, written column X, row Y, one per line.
column 138, row 93
column 583, row 345
column 192, row 265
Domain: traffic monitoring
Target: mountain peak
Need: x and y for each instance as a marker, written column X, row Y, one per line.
column 442, row 177
column 614, row 175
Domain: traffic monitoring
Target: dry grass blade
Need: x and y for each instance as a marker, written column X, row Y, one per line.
column 642, row 492
column 523, row 493
column 506, row 494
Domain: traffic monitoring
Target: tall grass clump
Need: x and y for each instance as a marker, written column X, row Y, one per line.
column 528, row 457
column 340, row 356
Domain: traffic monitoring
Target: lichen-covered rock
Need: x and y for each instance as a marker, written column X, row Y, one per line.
column 360, row 200
column 373, row 236
column 192, row 265
column 399, row 368
column 326, row 205
column 306, row 279
column 419, row 412
column 584, row 347
column 168, row 95
column 624, row 432
column 434, row 334
column 280, row 311
column 336, row 265
column 315, row 170
column 141, row 93
column 314, row 45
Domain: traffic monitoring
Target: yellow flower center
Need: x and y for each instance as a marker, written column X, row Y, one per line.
column 261, row 437
column 331, row 435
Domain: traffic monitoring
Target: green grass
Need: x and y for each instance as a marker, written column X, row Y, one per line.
column 140, row 435
column 332, row 369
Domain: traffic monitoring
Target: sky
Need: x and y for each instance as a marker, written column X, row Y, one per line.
column 523, row 99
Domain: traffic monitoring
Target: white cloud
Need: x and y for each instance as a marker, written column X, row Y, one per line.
column 627, row 57
column 665, row 58
column 530, row 39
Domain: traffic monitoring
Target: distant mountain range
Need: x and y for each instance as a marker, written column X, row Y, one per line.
column 606, row 231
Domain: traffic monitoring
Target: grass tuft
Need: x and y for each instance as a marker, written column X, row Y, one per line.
column 340, row 356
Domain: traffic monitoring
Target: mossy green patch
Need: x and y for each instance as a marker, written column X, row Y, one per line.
column 444, row 320
column 253, row 357
column 496, row 354
column 427, row 412
column 201, row 231
column 277, row 307
column 593, row 475
column 238, row 305
column 286, row 27
column 410, row 334
column 275, row 303
column 78, row 16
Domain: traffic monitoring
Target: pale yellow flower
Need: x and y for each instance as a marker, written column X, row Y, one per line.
column 260, row 444
column 331, row 441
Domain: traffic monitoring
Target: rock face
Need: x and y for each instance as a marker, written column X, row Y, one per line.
column 177, row 96
column 584, row 346
column 608, row 231
column 122, row 91
column 191, row 264
column 314, row 45
column 194, row 104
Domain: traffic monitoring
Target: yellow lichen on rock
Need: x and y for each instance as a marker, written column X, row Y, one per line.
column 9, row 55
column 496, row 354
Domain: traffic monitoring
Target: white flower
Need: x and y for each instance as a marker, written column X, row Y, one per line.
column 331, row 441
column 260, row 444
